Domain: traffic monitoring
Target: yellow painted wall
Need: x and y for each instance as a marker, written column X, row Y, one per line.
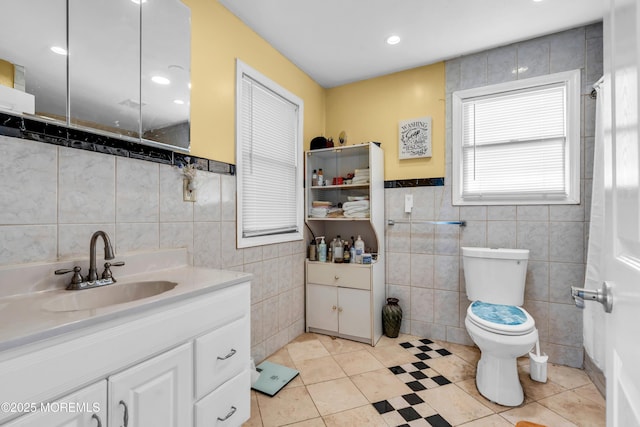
column 6, row 73
column 217, row 39
column 370, row 110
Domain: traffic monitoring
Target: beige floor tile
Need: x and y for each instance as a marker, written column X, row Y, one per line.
column 469, row 386
column 591, row 392
column 453, row 404
column 386, row 341
column 307, row 336
column 362, row 416
column 392, row 355
column 256, row 419
column 314, row 422
column 336, row 396
column 357, row 362
column 286, row 407
column 379, row 385
column 304, row 350
column 533, row 390
column 490, row 421
column 318, row 370
column 580, row 410
column 536, row 413
column 470, row 355
column 452, row 367
column 339, row 345
column 282, row 357
column 567, row 377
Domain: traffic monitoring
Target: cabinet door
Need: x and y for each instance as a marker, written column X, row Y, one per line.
column 354, row 307
column 322, row 307
column 155, row 393
column 84, row 408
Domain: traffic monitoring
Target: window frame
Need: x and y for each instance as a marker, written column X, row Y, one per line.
column 572, row 83
column 243, row 69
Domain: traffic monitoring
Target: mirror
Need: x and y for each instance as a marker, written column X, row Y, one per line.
column 112, row 60
column 28, row 31
column 104, row 65
column 166, row 73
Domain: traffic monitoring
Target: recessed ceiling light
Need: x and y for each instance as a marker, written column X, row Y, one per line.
column 139, row 1
column 394, row 39
column 59, row 50
column 178, row 101
column 535, row 1
column 160, row 80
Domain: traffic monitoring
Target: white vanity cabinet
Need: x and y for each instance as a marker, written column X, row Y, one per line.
column 94, row 414
column 181, row 364
column 154, row 393
column 346, row 300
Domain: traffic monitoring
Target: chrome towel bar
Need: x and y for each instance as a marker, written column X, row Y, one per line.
column 405, row 221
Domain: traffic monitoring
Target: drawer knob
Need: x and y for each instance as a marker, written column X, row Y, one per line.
column 231, row 353
column 340, row 310
column 336, row 277
column 334, row 308
column 231, row 412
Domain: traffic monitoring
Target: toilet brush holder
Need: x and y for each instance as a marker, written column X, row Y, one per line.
column 538, row 365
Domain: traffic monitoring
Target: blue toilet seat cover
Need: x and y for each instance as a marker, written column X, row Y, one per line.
column 499, row 314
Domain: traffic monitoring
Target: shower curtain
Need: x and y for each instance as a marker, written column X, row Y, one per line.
column 593, row 318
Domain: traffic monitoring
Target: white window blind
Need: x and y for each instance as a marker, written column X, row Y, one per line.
column 269, row 164
column 516, row 145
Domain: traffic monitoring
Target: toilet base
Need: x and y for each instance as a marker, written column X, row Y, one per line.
column 497, row 380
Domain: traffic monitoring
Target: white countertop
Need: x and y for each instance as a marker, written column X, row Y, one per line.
column 23, row 320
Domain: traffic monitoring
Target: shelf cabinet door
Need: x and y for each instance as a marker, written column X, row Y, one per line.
column 92, row 413
column 322, row 307
column 355, row 312
column 158, row 392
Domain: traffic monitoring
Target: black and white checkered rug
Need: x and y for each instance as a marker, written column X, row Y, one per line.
column 409, row 410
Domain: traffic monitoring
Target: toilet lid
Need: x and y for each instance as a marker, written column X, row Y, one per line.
column 501, row 319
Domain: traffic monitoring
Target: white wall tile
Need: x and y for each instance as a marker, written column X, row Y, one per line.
column 422, row 238
column 207, row 245
column 567, row 50
column 422, row 304
column 567, row 241
column 173, row 208
column 446, row 270
column 33, row 167
column 502, row 64
column 445, row 306
column 177, row 235
column 534, row 235
column 398, row 268
column 137, row 190
column 27, row 243
column 537, row 281
column 422, row 270
column 86, row 188
column 208, row 205
column 228, row 197
column 533, row 58
column 137, row 236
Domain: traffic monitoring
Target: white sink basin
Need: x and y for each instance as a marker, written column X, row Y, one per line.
column 108, row 295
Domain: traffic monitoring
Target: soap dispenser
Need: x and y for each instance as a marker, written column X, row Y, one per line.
column 322, row 250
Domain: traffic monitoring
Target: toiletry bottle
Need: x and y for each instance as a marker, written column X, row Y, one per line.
column 346, row 257
column 313, row 250
column 314, row 178
column 352, row 254
column 359, row 249
column 322, row 250
column 320, row 177
column 337, row 250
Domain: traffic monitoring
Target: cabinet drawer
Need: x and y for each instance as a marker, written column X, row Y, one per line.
column 221, row 354
column 229, row 405
column 345, row 275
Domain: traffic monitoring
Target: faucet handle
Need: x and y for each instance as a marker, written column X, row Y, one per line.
column 76, row 278
column 106, row 274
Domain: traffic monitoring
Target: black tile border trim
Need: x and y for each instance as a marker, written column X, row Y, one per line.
column 418, row 182
column 58, row 134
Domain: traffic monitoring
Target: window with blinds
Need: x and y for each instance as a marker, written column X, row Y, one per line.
column 269, row 161
column 518, row 143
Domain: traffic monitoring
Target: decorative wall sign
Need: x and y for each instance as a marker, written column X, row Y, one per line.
column 414, row 139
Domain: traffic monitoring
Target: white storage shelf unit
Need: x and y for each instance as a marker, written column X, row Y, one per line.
column 346, row 299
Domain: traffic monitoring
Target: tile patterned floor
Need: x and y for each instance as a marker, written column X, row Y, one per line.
column 412, row 381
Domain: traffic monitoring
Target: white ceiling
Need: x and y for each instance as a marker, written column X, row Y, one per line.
column 342, row 41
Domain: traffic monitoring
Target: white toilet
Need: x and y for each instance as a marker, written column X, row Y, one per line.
column 495, row 320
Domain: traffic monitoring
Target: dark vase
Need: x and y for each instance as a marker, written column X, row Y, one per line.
column 391, row 318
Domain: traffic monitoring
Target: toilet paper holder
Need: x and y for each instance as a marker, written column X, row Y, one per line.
column 603, row 296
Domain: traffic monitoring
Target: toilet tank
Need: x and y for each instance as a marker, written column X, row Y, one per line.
column 495, row 275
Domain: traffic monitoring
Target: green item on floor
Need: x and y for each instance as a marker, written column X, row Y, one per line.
column 273, row 377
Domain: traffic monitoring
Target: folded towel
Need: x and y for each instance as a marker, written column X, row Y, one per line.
column 357, row 214
column 356, row 203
